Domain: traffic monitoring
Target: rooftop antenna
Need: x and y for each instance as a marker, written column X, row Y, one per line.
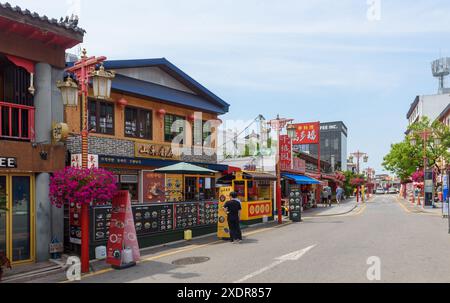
column 441, row 69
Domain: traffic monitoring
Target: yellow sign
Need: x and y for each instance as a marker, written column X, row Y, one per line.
column 60, row 132
column 256, row 210
column 223, row 230
column 159, row 151
column 174, row 188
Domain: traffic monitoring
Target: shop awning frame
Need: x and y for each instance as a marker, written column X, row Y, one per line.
column 301, row 179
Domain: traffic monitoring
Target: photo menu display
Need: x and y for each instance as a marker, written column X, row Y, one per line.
column 153, row 218
column 158, row 218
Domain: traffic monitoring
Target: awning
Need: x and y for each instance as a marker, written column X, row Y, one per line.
column 299, row 179
column 184, row 168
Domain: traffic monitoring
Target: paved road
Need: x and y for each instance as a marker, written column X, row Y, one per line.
column 412, row 247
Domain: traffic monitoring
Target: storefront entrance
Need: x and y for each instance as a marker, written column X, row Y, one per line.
column 17, row 222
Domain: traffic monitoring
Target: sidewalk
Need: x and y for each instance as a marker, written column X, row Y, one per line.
column 419, row 209
column 335, row 210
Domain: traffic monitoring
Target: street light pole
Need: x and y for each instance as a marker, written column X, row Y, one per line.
column 85, row 69
column 358, row 155
column 278, row 124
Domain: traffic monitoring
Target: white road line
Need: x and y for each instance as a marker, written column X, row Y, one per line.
column 294, row 256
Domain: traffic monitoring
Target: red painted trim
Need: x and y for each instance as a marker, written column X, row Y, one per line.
column 21, row 62
column 31, row 118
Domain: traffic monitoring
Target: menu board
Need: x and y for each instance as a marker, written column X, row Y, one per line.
column 102, row 221
column 295, row 205
column 174, row 188
column 75, row 223
column 157, row 218
column 208, row 213
column 187, row 215
column 153, row 218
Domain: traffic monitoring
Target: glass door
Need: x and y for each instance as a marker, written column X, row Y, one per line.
column 3, row 214
column 21, row 219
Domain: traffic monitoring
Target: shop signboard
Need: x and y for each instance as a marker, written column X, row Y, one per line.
column 285, row 152
column 307, row 133
column 257, row 210
column 223, row 231
column 445, row 187
column 76, row 161
column 8, row 162
column 155, row 151
column 429, row 188
column 122, row 239
column 154, row 187
column 295, row 204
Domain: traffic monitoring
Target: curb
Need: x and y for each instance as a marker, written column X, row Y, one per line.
column 338, row 214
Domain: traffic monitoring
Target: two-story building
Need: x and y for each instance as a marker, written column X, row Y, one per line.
column 32, row 59
column 154, row 104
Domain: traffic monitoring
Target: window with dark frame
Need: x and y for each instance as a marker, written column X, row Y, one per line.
column 200, row 131
column 101, row 117
column 169, row 120
column 138, row 123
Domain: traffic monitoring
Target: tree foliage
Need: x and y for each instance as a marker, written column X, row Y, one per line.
column 405, row 158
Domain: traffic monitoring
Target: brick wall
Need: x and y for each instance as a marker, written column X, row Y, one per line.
column 103, row 146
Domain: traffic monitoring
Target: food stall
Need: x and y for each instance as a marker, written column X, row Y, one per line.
column 176, row 198
column 255, row 191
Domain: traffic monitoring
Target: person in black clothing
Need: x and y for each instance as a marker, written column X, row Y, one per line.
column 233, row 209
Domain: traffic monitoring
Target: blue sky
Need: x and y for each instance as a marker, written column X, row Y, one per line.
column 309, row 60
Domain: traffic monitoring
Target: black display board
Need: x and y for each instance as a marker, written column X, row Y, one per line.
column 158, row 218
column 295, row 204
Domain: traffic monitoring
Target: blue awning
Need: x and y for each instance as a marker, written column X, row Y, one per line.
column 299, row 179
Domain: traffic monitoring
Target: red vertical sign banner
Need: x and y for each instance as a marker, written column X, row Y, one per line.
column 285, row 152
column 122, row 231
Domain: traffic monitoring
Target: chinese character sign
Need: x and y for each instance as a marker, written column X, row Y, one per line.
column 285, row 152
column 307, row 133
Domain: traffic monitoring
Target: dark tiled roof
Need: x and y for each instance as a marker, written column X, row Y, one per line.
column 66, row 23
column 173, row 71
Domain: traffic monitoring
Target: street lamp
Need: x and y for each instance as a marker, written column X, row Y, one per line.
column 425, row 136
column 84, row 69
column 279, row 124
column 358, row 155
column 101, row 83
column 69, row 92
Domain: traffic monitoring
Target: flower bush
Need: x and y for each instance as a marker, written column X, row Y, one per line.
column 75, row 185
column 417, row 176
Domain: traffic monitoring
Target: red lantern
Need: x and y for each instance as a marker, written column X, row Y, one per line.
column 162, row 112
column 191, row 117
column 122, row 102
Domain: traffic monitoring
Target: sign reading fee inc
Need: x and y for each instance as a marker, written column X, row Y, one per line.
column 8, row 162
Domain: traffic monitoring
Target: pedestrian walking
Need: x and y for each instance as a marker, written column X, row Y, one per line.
column 324, row 195
column 339, row 194
column 330, row 194
column 233, row 209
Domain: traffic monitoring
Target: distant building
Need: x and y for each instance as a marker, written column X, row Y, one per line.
column 430, row 106
column 444, row 117
column 333, row 145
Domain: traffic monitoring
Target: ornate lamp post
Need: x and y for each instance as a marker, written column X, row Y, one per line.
column 358, row 155
column 425, row 135
column 279, row 124
column 84, row 70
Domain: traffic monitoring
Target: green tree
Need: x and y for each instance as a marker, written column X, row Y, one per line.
column 405, row 158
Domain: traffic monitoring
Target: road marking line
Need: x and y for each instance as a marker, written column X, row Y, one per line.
column 295, row 256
